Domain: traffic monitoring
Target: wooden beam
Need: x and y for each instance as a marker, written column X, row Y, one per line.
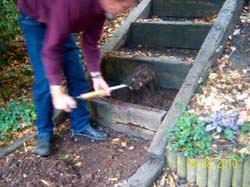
column 186, row 8
column 170, row 74
column 210, row 51
column 14, row 146
column 128, row 118
column 187, row 35
column 143, row 10
column 146, row 174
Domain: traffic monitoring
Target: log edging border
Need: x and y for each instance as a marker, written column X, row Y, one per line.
column 210, row 171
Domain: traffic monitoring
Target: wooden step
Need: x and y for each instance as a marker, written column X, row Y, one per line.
column 170, row 71
column 134, row 120
column 170, row 67
column 187, row 35
column 186, row 8
column 211, row 50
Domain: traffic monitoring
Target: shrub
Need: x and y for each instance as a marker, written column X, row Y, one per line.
column 14, row 116
column 8, row 26
column 189, row 135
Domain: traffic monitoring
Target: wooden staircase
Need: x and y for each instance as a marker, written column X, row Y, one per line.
column 165, row 35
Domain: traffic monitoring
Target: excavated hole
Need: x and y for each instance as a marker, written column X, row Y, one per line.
column 146, row 91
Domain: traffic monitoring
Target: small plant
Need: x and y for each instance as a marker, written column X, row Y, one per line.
column 245, row 128
column 14, row 116
column 237, row 156
column 223, row 124
column 198, row 89
column 189, row 135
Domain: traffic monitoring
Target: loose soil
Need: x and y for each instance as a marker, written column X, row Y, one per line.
column 75, row 162
column 140, row 77
column 161, row 99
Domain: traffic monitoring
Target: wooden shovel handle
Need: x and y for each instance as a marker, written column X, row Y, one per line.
column 91, row 95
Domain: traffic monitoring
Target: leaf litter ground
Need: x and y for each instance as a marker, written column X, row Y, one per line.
column 75, row 162
column 73, row 158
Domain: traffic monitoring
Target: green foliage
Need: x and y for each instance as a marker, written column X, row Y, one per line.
column 236, row 156
column 189, row 135
column 14, row 116
column 198, row 89
column 228, row 134
column 8, row 25
column 248, row 147
column 245, row 128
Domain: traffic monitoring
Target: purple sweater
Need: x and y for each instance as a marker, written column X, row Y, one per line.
column 63, row 17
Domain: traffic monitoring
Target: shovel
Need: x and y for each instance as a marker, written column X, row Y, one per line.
column 138, row 78
column 94, row 94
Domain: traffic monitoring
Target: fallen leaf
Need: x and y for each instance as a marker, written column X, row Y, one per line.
column 78, row 164
column 131, row 148
column 45, row 182
column 113, row 179
column 124, row 144
column 116, row 141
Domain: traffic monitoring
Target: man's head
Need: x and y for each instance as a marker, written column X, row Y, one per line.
column 115, row 7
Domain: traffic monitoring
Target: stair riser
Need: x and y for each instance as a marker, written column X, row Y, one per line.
column 174, row 35
column 169, row 73
column 186, row 8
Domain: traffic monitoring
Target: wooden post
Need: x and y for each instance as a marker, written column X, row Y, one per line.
column 171, row 160
column 201, row 173
column 237, row 175
column 226, row 172
column 191, row 169
column 213, row 172
column 246, row 173
column 181, row 165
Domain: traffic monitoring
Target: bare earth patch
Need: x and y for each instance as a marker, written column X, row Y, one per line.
column 75, row 162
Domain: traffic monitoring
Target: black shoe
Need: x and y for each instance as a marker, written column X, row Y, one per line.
column 43, row 147
column 92, row 133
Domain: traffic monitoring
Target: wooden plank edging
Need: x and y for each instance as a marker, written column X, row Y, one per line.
column 212, row 171
column 146, row 174
column 14, row 146
column 207, row 55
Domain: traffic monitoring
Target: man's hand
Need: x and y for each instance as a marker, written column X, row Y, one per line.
column 61, row 100
column 99, row 83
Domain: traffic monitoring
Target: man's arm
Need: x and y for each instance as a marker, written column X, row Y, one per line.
column 91, row 52
column 57, row 33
